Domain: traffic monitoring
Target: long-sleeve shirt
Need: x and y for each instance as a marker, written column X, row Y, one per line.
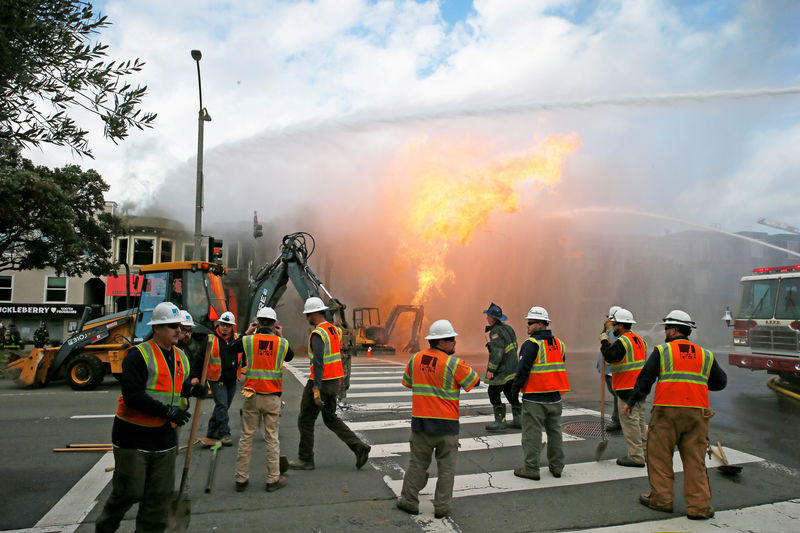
column 614, row 352
column 318, row 349
column 134, row 384
column 528, row 353
column 717, row 379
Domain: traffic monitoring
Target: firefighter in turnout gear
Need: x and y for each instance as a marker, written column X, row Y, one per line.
column 435, row 378
column 155, row 389
column 680, row 416
column 626, row 357
column 542, row 377
column 41, row 336
column 501, row 341
column 321, row 390
column 265, row 351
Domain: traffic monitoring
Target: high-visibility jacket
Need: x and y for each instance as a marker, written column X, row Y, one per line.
column 625, row 372
column 548, row 372
column 683, row 377
column 332, row 357
column 265, row 354
column 160, row 385
column 214, row 372
column 435, row 379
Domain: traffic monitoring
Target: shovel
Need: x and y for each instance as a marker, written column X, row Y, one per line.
column 601, row 447
column 725, row 469
column 180, row 511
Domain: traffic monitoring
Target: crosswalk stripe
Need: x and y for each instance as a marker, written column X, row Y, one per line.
column 396, row 377
column 406, row 406
column 465, row 419
column 390, row 394
column 484, row 442
column 574, row 474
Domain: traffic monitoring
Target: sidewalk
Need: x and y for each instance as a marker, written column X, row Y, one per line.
column 334, row 497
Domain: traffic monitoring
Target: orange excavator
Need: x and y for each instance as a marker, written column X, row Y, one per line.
column 98, row 346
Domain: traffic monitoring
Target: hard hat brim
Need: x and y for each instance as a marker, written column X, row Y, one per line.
column 434, row 337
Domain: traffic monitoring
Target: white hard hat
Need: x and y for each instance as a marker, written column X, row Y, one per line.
column 623, row 316
column 613, row 309
column 314, row 305
column 538, row 313
column 166, row 313
column 678, row 318
column 441, row 329
column 267, row 312
column 227, row 318
column 187, row 319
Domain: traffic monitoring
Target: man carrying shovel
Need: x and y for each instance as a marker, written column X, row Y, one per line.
column 155, row 389
column 680, row 416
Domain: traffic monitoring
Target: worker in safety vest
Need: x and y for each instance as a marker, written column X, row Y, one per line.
column 501, row 341
column 155, row 389
column 435, row 378
column 223, row 368
column 265, row 351
column 626, row 357
column 321, row 389
column 541, row 377
column 680, row 416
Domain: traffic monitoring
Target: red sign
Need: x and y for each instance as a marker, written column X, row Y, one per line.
column 117, row 286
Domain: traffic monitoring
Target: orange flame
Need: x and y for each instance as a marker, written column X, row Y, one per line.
column 453, row 197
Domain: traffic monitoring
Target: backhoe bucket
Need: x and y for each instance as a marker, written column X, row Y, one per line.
column 31, row 370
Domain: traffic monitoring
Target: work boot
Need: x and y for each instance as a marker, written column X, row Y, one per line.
column 527, row 474
column 226, row 440
column 614, row 425
column 362, row 454
column 407, row 507
column 241, row 485
column 499, row 423
column 283, row 464
column 644, row 499
column 272, row 487
column 516, row 413
column 301, row 465
column 627, row 461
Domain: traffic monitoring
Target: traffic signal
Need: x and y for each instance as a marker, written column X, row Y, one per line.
column 258, row 229
column 215, row 250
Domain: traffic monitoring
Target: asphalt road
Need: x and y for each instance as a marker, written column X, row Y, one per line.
column 750, row 419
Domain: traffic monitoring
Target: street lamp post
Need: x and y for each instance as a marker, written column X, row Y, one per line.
column 202, row 116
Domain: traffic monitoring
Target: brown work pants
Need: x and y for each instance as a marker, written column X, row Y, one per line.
column 686, row 427
column 309, row 413
column 266, row 407
column 423, row 446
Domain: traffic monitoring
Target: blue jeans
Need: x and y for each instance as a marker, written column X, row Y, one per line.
column 218, row 424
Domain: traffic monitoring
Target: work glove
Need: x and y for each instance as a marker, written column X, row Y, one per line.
column 177, row 416
column 318, row 399
column 200, row 390
column 608, row 325
column 604, row 337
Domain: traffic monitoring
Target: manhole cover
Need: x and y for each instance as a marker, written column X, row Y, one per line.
column 584, row 429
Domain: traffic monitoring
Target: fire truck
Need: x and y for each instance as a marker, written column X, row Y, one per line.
column 766, row 323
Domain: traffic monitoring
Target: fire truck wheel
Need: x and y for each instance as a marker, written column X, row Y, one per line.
column 85, row 372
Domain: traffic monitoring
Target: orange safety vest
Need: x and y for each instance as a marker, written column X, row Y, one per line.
column 683, row 377
column 548, row 372
column 265, row 354
column 625, row 372
column 214, row 372
column 435, row 379
column 332, row 358
column 160, row 385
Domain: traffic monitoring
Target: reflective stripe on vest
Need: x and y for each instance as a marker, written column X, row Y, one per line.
column 265, row 354
column 160, row 385
column 548, row 372
column 625, row 372
column 214, row 372
column 332, row 358
column 434, row 389
column 683, row 379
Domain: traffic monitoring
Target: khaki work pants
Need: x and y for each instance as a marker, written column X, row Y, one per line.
column 634, row 428
column 538, row 417
column 423, row 446
column 686, row 427
column 266, row 407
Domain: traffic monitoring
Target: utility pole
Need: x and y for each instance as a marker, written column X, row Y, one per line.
column 202, row 117
column 778, row 225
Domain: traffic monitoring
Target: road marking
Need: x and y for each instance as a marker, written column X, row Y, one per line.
column 406, row 406
column 466, row 419
column 574, row 474
column 396, row 377
column 39, row 393
column 484, row 442
column 73, row 507
column 391, row 394
column 781, row 516
column 92, row 416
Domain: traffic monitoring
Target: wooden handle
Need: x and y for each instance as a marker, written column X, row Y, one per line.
column 722, row 453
